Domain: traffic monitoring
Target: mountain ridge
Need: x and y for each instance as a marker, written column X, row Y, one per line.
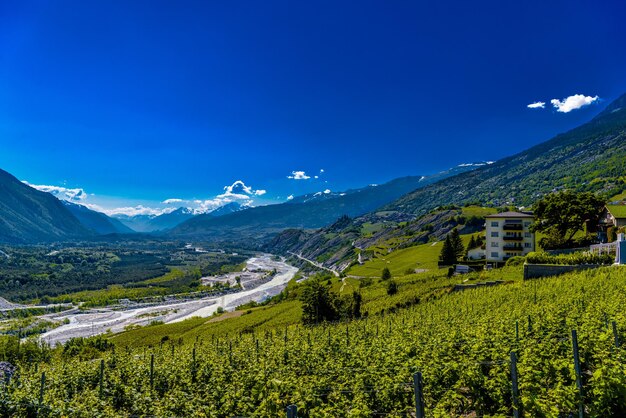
column 28, row 215
column 590, row 157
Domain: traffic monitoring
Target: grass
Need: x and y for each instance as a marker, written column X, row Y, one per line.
column 618, row 197
column 424, row 256
column 262, row 318
column 478, row 211
column 412, row 289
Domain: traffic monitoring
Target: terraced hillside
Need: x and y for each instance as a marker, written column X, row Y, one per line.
column 461, row 342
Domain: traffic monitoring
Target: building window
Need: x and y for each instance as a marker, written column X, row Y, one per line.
column 494, row 224
column 494, row 234
column 494, row 254
column 527, row 245
column 494, row 244
column 526, row 224
column 527, row 234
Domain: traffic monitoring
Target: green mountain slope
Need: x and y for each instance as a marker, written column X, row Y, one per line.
column 307, row 212
column 28, row 215
column 591, row 157
column 96, row 221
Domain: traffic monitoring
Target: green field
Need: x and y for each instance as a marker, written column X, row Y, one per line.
column 478, row 211
column 424, row 256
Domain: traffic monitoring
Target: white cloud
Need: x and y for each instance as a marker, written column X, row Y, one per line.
column 537, row 105
column 130, row 210
column 298, row 175
column 572, row 102
column 316, row 177
column 237, row 192
column 171, row 201
column 327, row 191
column 290, row 197
column 321, row 170
column 63, row 193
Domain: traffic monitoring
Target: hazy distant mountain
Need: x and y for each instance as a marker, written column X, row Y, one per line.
column 97, row 221
column 153, row 223
column 226, row 209
column 28, row 215
column 166, row 221
column 309, row 211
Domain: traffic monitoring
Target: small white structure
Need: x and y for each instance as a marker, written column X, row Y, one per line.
column 508, row 235
column 618, row 247
column 476, row 254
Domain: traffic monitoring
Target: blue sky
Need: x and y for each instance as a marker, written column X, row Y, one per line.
column 136, row 102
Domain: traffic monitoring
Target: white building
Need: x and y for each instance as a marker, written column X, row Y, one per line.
column 508, row 234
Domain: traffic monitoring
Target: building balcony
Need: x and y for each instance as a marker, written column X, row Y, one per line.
column 513, row 248
column 513, row 238
column 513, row 227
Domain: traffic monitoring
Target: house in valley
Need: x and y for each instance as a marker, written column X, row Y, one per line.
column 613, row 217
column 508, row 234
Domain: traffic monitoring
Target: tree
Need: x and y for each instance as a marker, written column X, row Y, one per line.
column 318, row 302
column 472, row 243
column 392, row 287
column 447, row 256
column 386, row 274
column 356, row 304
column 561, row 215
column 457, row 244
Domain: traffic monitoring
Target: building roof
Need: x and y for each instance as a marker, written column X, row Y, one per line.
column 618, row 211
column 511, row 215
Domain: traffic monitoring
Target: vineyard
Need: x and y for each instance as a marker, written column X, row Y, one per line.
column 460, row 342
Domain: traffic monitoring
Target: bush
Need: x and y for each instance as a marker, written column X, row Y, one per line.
column 515, row 261
column 386, row 274
column 569, row 259
column 392, row 288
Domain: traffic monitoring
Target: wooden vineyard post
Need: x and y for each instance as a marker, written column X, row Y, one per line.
column 514, row 384
column 292, row 411
column 151, row 370
column 419, row 396
column 42, row 388
column 193, row 364
column 579, row 382
column 615, row 334
column 101, row 378
column 516, row 330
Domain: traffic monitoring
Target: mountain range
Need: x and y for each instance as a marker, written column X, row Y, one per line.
column 591, row 157
column 168, row 220
column 309, row 211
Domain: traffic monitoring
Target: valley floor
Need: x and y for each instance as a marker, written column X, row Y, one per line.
column 117, row 319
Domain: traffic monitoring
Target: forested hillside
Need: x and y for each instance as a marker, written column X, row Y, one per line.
column 591, row 157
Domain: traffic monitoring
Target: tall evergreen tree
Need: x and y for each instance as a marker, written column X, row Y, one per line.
column 319, row 304
column 472, row 243
column 457, row 244
column 447, row 256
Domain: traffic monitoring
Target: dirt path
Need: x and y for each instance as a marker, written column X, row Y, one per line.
column 316, row 264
